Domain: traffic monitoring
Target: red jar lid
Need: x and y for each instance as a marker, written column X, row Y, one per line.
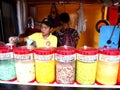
column 21, row 50
column 44, row 50
column 87, row 51
column 65, row 50
column 4, row 50
column 3, row 47
column 109, row 51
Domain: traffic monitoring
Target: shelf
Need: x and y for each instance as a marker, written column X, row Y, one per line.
column 62, row 85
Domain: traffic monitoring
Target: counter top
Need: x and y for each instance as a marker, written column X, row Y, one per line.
column 62, row 85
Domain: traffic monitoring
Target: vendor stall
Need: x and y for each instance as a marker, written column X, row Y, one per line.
column 93, row 64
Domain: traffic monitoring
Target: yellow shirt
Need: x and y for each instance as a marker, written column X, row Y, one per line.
column 50, row 41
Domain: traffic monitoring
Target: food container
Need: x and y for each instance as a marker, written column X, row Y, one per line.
column 65, row 64
column 7, row 64
column 118, row 77
column 107, row 68
column 24, row 63
column 10, row 45
column 44, row 65
column 86, row 65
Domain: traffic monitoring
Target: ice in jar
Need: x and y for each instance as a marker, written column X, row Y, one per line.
column 24, row 63
column 7, row 64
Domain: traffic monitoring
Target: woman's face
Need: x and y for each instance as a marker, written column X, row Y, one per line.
column 45, row 30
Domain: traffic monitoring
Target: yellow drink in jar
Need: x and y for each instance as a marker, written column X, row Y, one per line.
column 45, row 72
column 44, row 65
column 86, row 65
column 86, row 73
column 107, row 68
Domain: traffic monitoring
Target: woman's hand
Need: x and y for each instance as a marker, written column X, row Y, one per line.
column 13, row 39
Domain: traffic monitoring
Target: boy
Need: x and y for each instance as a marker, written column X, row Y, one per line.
column 66, row 35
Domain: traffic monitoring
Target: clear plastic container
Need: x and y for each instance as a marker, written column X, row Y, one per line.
column 65, row 64
column 86, row 65
column 107, row 67
column 118, row 77
column 25, row 66
column 44, row 65
column 7, row 64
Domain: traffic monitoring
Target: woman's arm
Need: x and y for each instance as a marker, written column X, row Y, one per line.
column 17, row 39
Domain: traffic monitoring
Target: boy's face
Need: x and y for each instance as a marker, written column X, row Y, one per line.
column 45, row 30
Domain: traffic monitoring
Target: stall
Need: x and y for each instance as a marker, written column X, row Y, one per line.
column 94, row 63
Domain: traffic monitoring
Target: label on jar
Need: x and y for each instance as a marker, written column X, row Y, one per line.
column 108, row 58
column 87, row 58
column 65, row 58
column 43, row 57
column 4, row 56
column 23, row 57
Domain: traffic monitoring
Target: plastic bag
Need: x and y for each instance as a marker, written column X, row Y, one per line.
column 81, row 21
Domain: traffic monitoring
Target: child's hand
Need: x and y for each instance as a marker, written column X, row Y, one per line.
column 13, row 39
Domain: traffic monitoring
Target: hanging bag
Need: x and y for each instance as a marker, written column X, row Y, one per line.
column 54, row 16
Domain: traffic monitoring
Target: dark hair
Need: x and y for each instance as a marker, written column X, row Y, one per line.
column 64, row 17
column 48, row 22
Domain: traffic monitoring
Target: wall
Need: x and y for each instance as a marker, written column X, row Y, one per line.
column 92, row 12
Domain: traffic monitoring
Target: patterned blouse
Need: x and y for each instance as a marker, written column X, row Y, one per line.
column 67, row 37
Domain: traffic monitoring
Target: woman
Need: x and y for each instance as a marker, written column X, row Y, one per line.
column 41, row 39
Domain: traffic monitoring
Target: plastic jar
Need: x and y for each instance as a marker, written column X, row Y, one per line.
column 10, row 45
column 7, row 65
column 44, row 65
column 107, row 67
column 65, row 64
column 118, row 78
column 86, row 65
column 24, row 63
